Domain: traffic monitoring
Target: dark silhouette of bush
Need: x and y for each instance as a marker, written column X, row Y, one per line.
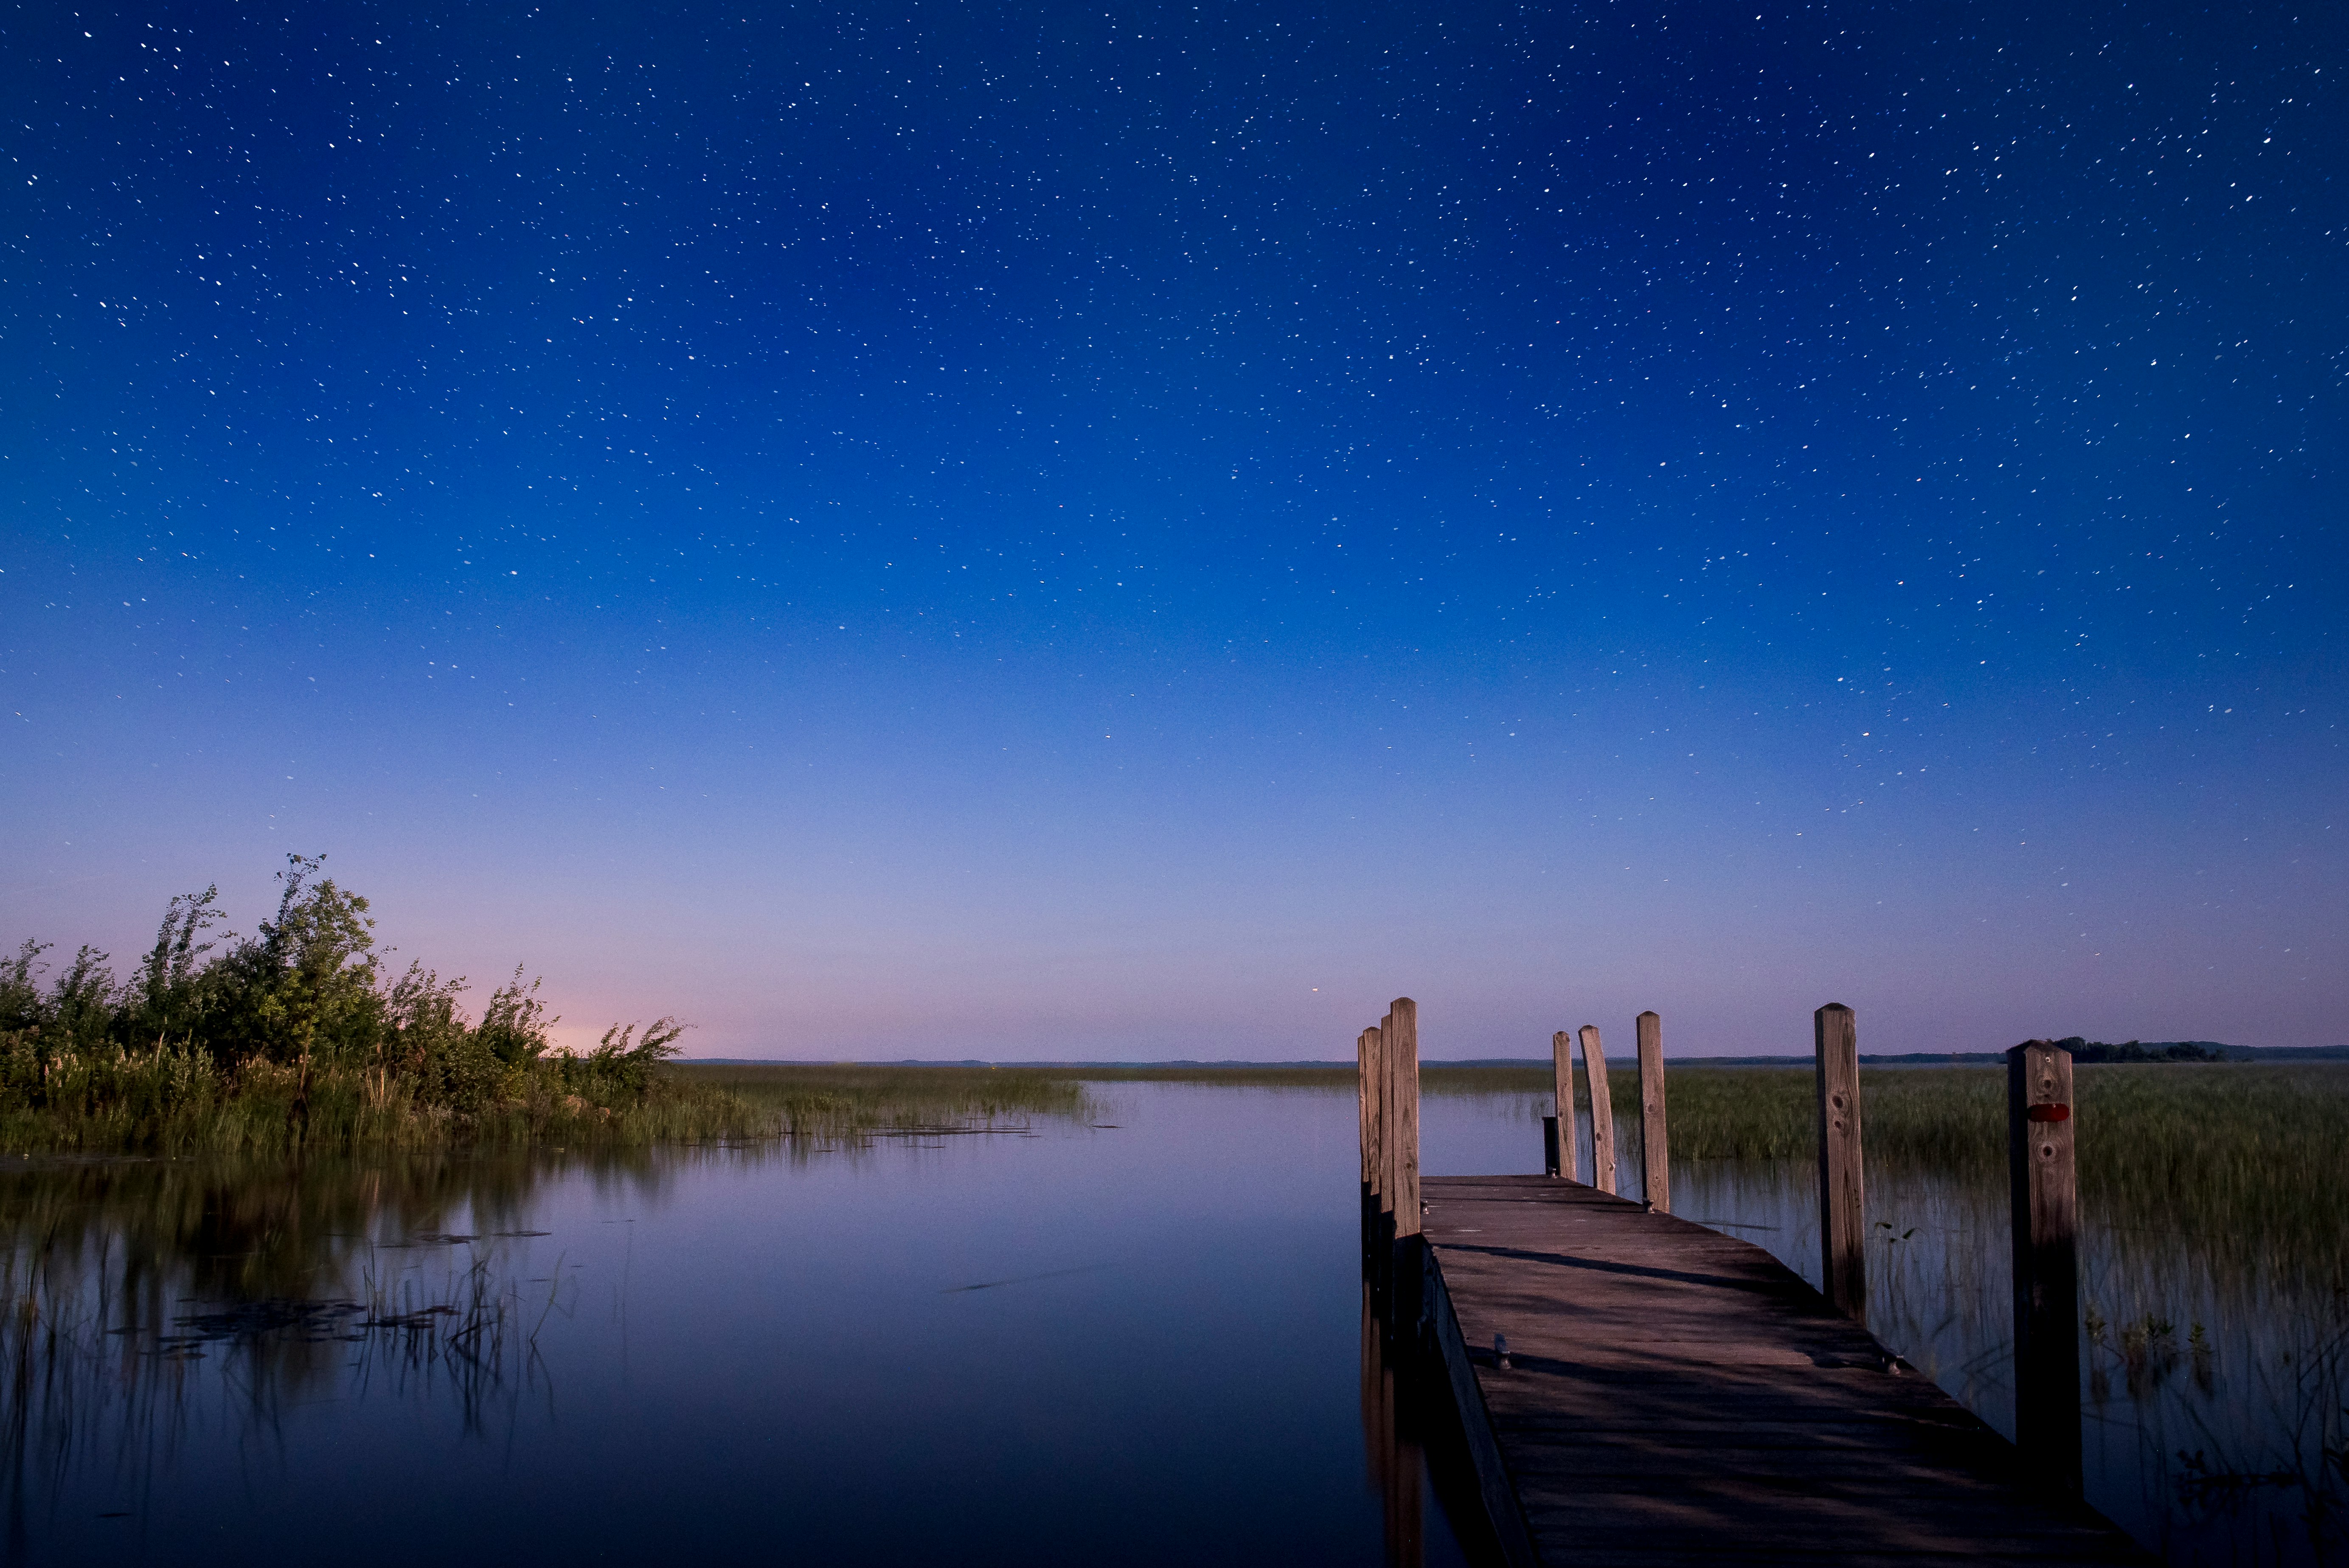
column 2133, row 1051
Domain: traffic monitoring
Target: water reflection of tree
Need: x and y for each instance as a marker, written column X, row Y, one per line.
column 145, row 1297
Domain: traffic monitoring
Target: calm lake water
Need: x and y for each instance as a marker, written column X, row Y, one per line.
column 1136, row 1342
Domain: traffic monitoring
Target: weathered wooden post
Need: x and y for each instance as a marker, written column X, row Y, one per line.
column 1843, row 1211
column 2039, row 1139
column 1400, row 1034
column 1399, row 1260
column 1561, row 1062
column 1655, row 1175
column 1373, row 1078
column 1602, row 1110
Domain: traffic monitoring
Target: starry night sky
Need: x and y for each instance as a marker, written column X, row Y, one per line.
column 1019, row 530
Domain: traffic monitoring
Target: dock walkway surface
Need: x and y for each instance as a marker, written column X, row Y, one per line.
column 1675, row 1395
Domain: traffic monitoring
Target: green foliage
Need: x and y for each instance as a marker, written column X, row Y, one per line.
column 292, row 1037
column 166, row 1000
column 627, row 1063
column 304, row 988
column 514, row 1025
column 20, row 988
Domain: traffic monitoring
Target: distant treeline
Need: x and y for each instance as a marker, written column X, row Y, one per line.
column 2085, row 1051
column 2136, row 1051
column 291, row 1035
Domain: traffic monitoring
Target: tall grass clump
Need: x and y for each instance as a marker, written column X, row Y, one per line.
column 296, row 1036
column 2252, row 1161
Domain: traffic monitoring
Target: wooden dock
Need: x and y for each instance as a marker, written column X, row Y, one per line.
column 1671, row 1394
column 1678, row 1395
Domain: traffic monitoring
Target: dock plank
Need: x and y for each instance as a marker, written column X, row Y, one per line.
column 1677, row 1395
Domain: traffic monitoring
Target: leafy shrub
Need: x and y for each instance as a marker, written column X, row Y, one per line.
column 290, row 1034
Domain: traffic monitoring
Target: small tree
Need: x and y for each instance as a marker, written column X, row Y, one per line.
column 304, row 989
column 626, row 1062
column 167, row 998
column 514, row 1025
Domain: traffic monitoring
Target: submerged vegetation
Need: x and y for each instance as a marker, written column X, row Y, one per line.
column 295, row 1036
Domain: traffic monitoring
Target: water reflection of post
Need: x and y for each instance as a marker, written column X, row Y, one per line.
column 1390, row 1444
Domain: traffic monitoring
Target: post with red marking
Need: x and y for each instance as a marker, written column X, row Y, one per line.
column 2040, row 1128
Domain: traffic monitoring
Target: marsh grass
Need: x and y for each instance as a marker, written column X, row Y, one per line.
column 823, row 1101
column 2247, row 1162
column 2250, row 1163
column 1435, row 1077
column 264, row 1109
column 1221, row 1075
column 2216, row 1333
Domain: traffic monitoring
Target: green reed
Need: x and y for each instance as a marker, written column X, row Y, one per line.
column 1435, row 1077
column 2249, row 1161
column 846, row 1100
column 265, row 1109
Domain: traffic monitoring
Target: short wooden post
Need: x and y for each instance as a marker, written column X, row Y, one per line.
column 2045, row 1198
column 1655, row 1175
column 1561, row 1067
column 1602, row 1110
column 1843, row 1210
column 1549, row 1145
column 1400, row 1036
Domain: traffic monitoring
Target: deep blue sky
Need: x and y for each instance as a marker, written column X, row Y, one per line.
column 955, row 530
